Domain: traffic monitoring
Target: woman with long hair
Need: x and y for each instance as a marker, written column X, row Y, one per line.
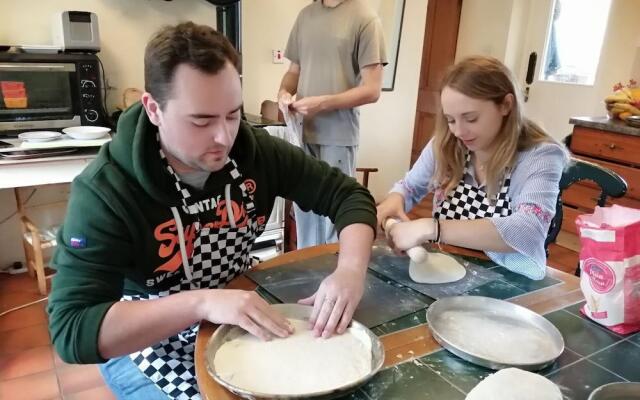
column 493, row 172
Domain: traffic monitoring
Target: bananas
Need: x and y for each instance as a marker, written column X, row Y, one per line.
column 624, row 102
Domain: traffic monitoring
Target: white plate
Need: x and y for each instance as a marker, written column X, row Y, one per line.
column 86, row 132
column 39, row 136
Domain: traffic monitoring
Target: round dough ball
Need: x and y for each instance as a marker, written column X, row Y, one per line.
column 437, row 268
column 515, row 384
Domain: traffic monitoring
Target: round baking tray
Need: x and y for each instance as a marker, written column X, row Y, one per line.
column 226, row 333
column 616, row 391
column 464, row 325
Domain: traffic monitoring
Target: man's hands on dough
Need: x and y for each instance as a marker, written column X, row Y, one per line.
column 335, row 301
column 245, row 309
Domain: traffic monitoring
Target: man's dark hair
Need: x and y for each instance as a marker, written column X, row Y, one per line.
column 199, row 46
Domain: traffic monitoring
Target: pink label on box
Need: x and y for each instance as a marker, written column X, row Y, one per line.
column 601, row 276
column 599, row 315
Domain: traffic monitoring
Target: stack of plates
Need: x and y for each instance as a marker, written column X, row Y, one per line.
column 39, row 136
column 74, row 132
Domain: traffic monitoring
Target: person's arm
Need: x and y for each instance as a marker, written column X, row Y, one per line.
column 368, row 91
column 129, row 326
column 289, row 83
column 410, row 190
column 88, row 323
column 289, row 86
column 521, row 234
column 479, row 234
column 317, row 187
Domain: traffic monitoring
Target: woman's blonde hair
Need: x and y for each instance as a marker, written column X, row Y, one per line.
column 483, row 78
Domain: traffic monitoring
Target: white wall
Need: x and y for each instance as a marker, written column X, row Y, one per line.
column 619, row 51
column 484, row 28
column 386, row 127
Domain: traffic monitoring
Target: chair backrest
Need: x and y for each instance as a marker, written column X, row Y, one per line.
column 269, row 110
column 610, row 183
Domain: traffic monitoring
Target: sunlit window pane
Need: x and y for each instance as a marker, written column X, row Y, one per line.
column 575, row 39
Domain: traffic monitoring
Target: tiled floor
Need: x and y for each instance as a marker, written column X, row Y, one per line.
column 30, row 369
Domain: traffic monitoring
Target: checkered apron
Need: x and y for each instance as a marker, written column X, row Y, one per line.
column 470, row 202
column 219, row 255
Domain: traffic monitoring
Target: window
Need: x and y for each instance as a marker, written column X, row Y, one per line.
column 574, row 41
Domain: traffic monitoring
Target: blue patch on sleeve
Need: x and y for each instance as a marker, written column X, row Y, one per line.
column 79, row 242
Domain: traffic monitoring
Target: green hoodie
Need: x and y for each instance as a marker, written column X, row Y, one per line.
column 119, row 235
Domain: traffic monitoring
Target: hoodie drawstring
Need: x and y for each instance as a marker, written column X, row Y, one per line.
column 183, row 247
column 229, row 204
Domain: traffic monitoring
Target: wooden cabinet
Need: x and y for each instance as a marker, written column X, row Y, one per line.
column 612, row 145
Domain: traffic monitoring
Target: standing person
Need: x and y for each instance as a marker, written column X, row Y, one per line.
column 337, row 52
column 494, row 173
column 167, row 214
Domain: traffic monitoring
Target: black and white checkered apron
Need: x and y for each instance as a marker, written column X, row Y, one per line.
column 219, row 255
column 470, row 202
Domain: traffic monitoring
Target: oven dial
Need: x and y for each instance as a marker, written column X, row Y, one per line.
column 91, row 115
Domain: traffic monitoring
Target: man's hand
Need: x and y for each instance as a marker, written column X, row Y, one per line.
column 391, row 207
column 246, row 309
column 285, row 99
column 310, row 106
column 404, row 235
column 335, row 301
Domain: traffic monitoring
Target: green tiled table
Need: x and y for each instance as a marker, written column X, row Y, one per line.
column 416, row 367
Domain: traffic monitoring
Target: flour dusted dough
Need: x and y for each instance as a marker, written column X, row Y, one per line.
column 502, row 339
column 515, row 384
column 297, row 365
column 437, row 268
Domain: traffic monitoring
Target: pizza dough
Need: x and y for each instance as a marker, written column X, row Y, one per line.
column 515, row 384
column 498, row 338
column 437, row 268
column 297, row 365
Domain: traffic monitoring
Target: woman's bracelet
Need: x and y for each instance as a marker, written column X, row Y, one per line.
column 436, row 221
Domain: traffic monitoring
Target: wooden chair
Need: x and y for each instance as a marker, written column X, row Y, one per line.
column 35, row 241
column 269, row 109
column 610, row 183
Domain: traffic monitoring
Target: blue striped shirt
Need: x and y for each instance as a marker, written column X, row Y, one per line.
column 533, row 193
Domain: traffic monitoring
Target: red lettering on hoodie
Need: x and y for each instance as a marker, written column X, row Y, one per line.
column 166, row 234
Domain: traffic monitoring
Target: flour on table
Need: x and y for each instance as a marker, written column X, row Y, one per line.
column 297, row 365
column 515, row 384
column 498, row 338
column 437, row 268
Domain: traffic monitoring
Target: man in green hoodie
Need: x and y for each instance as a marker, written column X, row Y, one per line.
column 167, row 215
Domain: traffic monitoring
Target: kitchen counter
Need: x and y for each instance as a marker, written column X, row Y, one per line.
column 416, row 367
column 605, row 124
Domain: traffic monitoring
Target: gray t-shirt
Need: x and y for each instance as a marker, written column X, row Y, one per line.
column 195, row 179
column 331, row 45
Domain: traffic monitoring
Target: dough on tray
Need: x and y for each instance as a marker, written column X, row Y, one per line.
column 297, row 365
column 437, row 268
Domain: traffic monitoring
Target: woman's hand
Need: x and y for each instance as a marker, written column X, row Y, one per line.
column 404, row 235
column 391, row 207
